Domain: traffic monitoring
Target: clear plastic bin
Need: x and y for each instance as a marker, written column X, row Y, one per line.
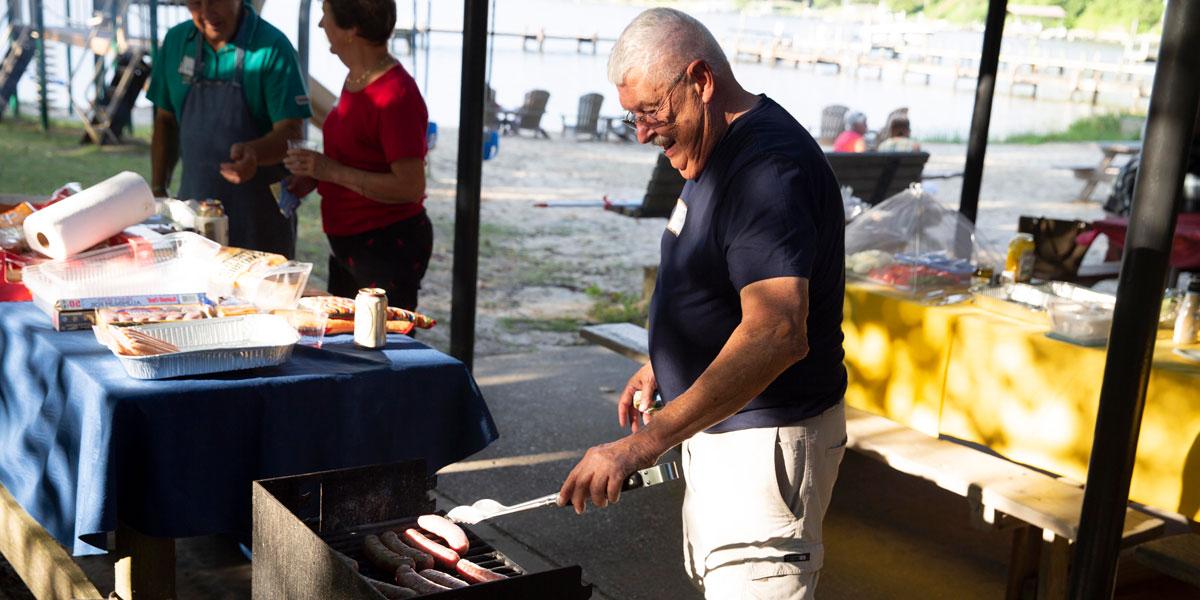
column 277, row 288
column 1084, row 323
column 174, row 263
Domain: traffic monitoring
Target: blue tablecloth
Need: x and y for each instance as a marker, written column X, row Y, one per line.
column 83, row 444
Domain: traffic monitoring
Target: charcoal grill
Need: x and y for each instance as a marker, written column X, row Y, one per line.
column 303, row 522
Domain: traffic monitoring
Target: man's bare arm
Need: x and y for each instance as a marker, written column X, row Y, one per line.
column 164, row 151
column 772, row 336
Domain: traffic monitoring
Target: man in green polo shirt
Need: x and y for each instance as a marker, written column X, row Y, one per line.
column 228, row 95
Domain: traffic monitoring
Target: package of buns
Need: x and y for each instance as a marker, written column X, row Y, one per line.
column 141, row 315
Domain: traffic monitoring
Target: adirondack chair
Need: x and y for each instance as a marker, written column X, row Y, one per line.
column 491, row 111
column 587, row 121
column 833, row 123
column 529, row 116
column 877, row 176
column 661, row 193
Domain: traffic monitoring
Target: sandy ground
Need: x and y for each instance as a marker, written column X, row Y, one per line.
column 537, row 264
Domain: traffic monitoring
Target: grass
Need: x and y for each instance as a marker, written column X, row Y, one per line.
column 33, row 162
column 616, row 307
column 1087, row 129
column 36, row 162
column 556, row 324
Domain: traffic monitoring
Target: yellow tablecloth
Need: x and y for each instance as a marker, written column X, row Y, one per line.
column 984, row 377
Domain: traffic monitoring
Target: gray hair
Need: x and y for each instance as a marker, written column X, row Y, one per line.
column 855, row 118
column 662, row 41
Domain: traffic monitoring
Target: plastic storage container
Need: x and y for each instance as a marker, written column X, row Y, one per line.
column 1084, row 323
column 173, row 264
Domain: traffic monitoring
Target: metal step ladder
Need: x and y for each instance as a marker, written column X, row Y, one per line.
column 21, row 51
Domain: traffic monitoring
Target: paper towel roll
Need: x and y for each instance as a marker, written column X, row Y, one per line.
column 91, row 216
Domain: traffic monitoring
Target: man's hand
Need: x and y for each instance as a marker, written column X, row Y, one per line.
column 243, row 165
column 301, row 185
column 643, row 381
column 603, row 471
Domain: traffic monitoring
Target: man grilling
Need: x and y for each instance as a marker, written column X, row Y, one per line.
column 228, row 95
column 745, row 322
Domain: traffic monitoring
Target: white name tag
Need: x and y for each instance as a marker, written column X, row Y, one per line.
column 678, row 217
column 187, row 66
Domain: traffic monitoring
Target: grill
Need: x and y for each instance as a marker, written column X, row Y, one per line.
column 303, row 522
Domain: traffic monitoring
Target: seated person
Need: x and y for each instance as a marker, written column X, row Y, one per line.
column 1120, row 201
column 853, row 138
column 898, row 139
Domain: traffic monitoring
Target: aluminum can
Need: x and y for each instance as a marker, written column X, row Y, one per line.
column 1018, row 264
column 212, row 222
column 370, row 318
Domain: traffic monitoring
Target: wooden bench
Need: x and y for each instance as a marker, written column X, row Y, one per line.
column 1177, row 556
column 877, row 176
column 1042, row 510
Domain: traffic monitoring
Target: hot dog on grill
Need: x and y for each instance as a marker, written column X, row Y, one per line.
column 445, row 579
column 391, row 592
column 446, row 529
column 417, row 558
column 439, row 552
column 382, row 557
column 475, row 573
column 413, row 580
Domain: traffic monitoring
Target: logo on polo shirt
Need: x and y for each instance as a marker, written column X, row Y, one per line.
column 301, row 100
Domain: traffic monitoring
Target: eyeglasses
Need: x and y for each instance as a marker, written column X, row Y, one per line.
column 650, row 119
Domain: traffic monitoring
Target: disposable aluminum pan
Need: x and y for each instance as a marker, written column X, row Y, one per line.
column 215, row 345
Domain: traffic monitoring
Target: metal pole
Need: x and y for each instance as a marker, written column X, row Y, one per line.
column 39, row 27
column 302, row 37
column 470, row 171
column 153, row 31
column 981, row 119
column 1156, row 200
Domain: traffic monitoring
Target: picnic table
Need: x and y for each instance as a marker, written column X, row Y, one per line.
column 1185, row 248
column 86, row 450
column 1105, row 171
column 976, row 375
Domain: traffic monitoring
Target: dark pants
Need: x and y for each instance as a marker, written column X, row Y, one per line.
column 393, row 258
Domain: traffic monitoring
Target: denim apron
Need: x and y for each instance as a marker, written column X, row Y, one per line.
column 215, row 116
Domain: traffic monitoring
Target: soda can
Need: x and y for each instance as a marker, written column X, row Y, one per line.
column 212, row 222
column 370, row 318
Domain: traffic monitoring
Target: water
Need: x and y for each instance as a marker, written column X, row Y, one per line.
column 940, row 109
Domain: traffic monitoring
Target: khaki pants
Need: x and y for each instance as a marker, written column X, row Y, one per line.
column 753, row 507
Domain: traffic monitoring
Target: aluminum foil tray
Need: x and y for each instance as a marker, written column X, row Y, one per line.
column 215, row 345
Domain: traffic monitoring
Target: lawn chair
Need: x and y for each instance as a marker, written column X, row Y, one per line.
column 1058, row 256
column 587, row 121
column 661, row 193
column 833, row 123
column 529, row 116
column 886, row 131
column 877, row 176
column 491, row 111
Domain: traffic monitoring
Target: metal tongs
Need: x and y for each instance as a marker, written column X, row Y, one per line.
column 487, row 508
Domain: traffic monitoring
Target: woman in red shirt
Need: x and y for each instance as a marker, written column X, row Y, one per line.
column 372, row 175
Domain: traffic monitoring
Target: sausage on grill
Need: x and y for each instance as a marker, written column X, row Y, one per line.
column 413, row 580
column 445, row 579
column 382, row 557
column 419, row 559
column 475, row 573
column 391, row 592
column 446, row 529
column 439, row 552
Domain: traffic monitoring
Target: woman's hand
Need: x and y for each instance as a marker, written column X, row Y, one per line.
column 306, row 163
column 301, row 185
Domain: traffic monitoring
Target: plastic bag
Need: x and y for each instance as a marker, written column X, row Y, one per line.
column 913, row 244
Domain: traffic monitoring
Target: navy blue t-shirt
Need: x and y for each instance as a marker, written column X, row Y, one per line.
column 766, row 205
